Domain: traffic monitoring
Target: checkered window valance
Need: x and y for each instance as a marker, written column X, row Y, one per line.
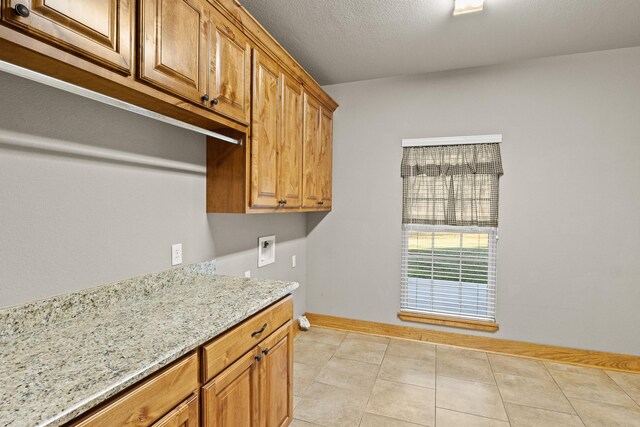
column 451, row 185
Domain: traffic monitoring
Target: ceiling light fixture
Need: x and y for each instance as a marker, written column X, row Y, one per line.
column 467, row 6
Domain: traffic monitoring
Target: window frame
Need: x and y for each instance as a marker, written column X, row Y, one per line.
column 450, row 319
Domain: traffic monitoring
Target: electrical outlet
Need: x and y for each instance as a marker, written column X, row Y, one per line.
column 293, row 261
column 247, row 273
column 176, row 254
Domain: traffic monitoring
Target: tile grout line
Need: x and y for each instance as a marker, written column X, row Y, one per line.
column 374, row 383
column 316, row 377
column 493, row 374
column 621, row 388
column 592, row 400
column 565, row 396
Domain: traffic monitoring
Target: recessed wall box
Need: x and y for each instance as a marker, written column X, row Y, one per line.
column 266, row 250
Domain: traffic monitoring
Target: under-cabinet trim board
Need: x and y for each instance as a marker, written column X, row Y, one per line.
column 452, row 140
column 104, row 99
column 588, row 358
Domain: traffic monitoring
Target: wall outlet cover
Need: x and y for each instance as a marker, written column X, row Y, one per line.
column 266, row 250
column 176, row 254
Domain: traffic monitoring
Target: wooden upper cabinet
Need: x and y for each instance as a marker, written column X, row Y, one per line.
column 276, row 378
column 290, row 148
column 265, row 131
column 97, row 30
column 229, row 69
column 311, row 150
column 325, row 161
column 318, row 155
column 173, row 46
column 231, row 398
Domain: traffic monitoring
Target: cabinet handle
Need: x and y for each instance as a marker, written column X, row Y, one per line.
column 214, row 101
column 259, row 331
column 205, row 97
column 258, row 358
column 321, row 202
column 22, row 10
column 265, row 351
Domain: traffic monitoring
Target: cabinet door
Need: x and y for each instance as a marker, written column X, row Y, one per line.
column 173, row 46
column 231, row 398
column 311, row 156
column 276, row 378
column 265, row 131
column 290, row 150
column 325, row 161
column 97, row 30
column 229, row 69
column 185, row 415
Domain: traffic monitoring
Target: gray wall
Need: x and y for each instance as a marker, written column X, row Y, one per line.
column 68, row 223
column 569, row 231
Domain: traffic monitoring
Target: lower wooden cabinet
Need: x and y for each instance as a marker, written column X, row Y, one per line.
column 276, row 378
column 185, row 415
column 231, row 398
column 257, row 389
column 248, row 382
column 148, row 402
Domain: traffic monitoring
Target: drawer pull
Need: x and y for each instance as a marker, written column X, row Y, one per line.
column 265, row 351
column 258, row 358
column 259, row 331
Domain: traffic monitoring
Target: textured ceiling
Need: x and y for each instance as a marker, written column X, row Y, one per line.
column 347, row 40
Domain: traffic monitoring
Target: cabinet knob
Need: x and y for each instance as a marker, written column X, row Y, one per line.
column 205, row 97
column 22, row 10
column 214, row 101
column 258, row 358
column 321, row 202
column 265, row 351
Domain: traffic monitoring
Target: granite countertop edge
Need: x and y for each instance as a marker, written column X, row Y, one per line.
column 64, row 356
column 162, row 361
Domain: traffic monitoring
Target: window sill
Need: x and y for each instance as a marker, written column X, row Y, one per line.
column 431, row 319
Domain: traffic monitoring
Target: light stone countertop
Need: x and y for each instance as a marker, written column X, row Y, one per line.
column 55, row 366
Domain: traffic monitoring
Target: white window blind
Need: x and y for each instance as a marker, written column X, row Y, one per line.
column 449, row 271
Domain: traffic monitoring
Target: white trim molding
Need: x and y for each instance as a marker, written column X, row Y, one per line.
column 452, row 140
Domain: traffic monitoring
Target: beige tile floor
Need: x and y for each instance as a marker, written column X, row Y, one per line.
column 347, row 379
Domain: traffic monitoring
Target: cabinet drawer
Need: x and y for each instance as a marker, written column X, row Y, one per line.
column 230, row 346
column 149, row 401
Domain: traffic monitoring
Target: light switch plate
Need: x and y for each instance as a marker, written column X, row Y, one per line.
column 176, row 254
column 266, row 250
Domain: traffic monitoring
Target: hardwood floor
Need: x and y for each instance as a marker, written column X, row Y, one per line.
column 350, row 379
